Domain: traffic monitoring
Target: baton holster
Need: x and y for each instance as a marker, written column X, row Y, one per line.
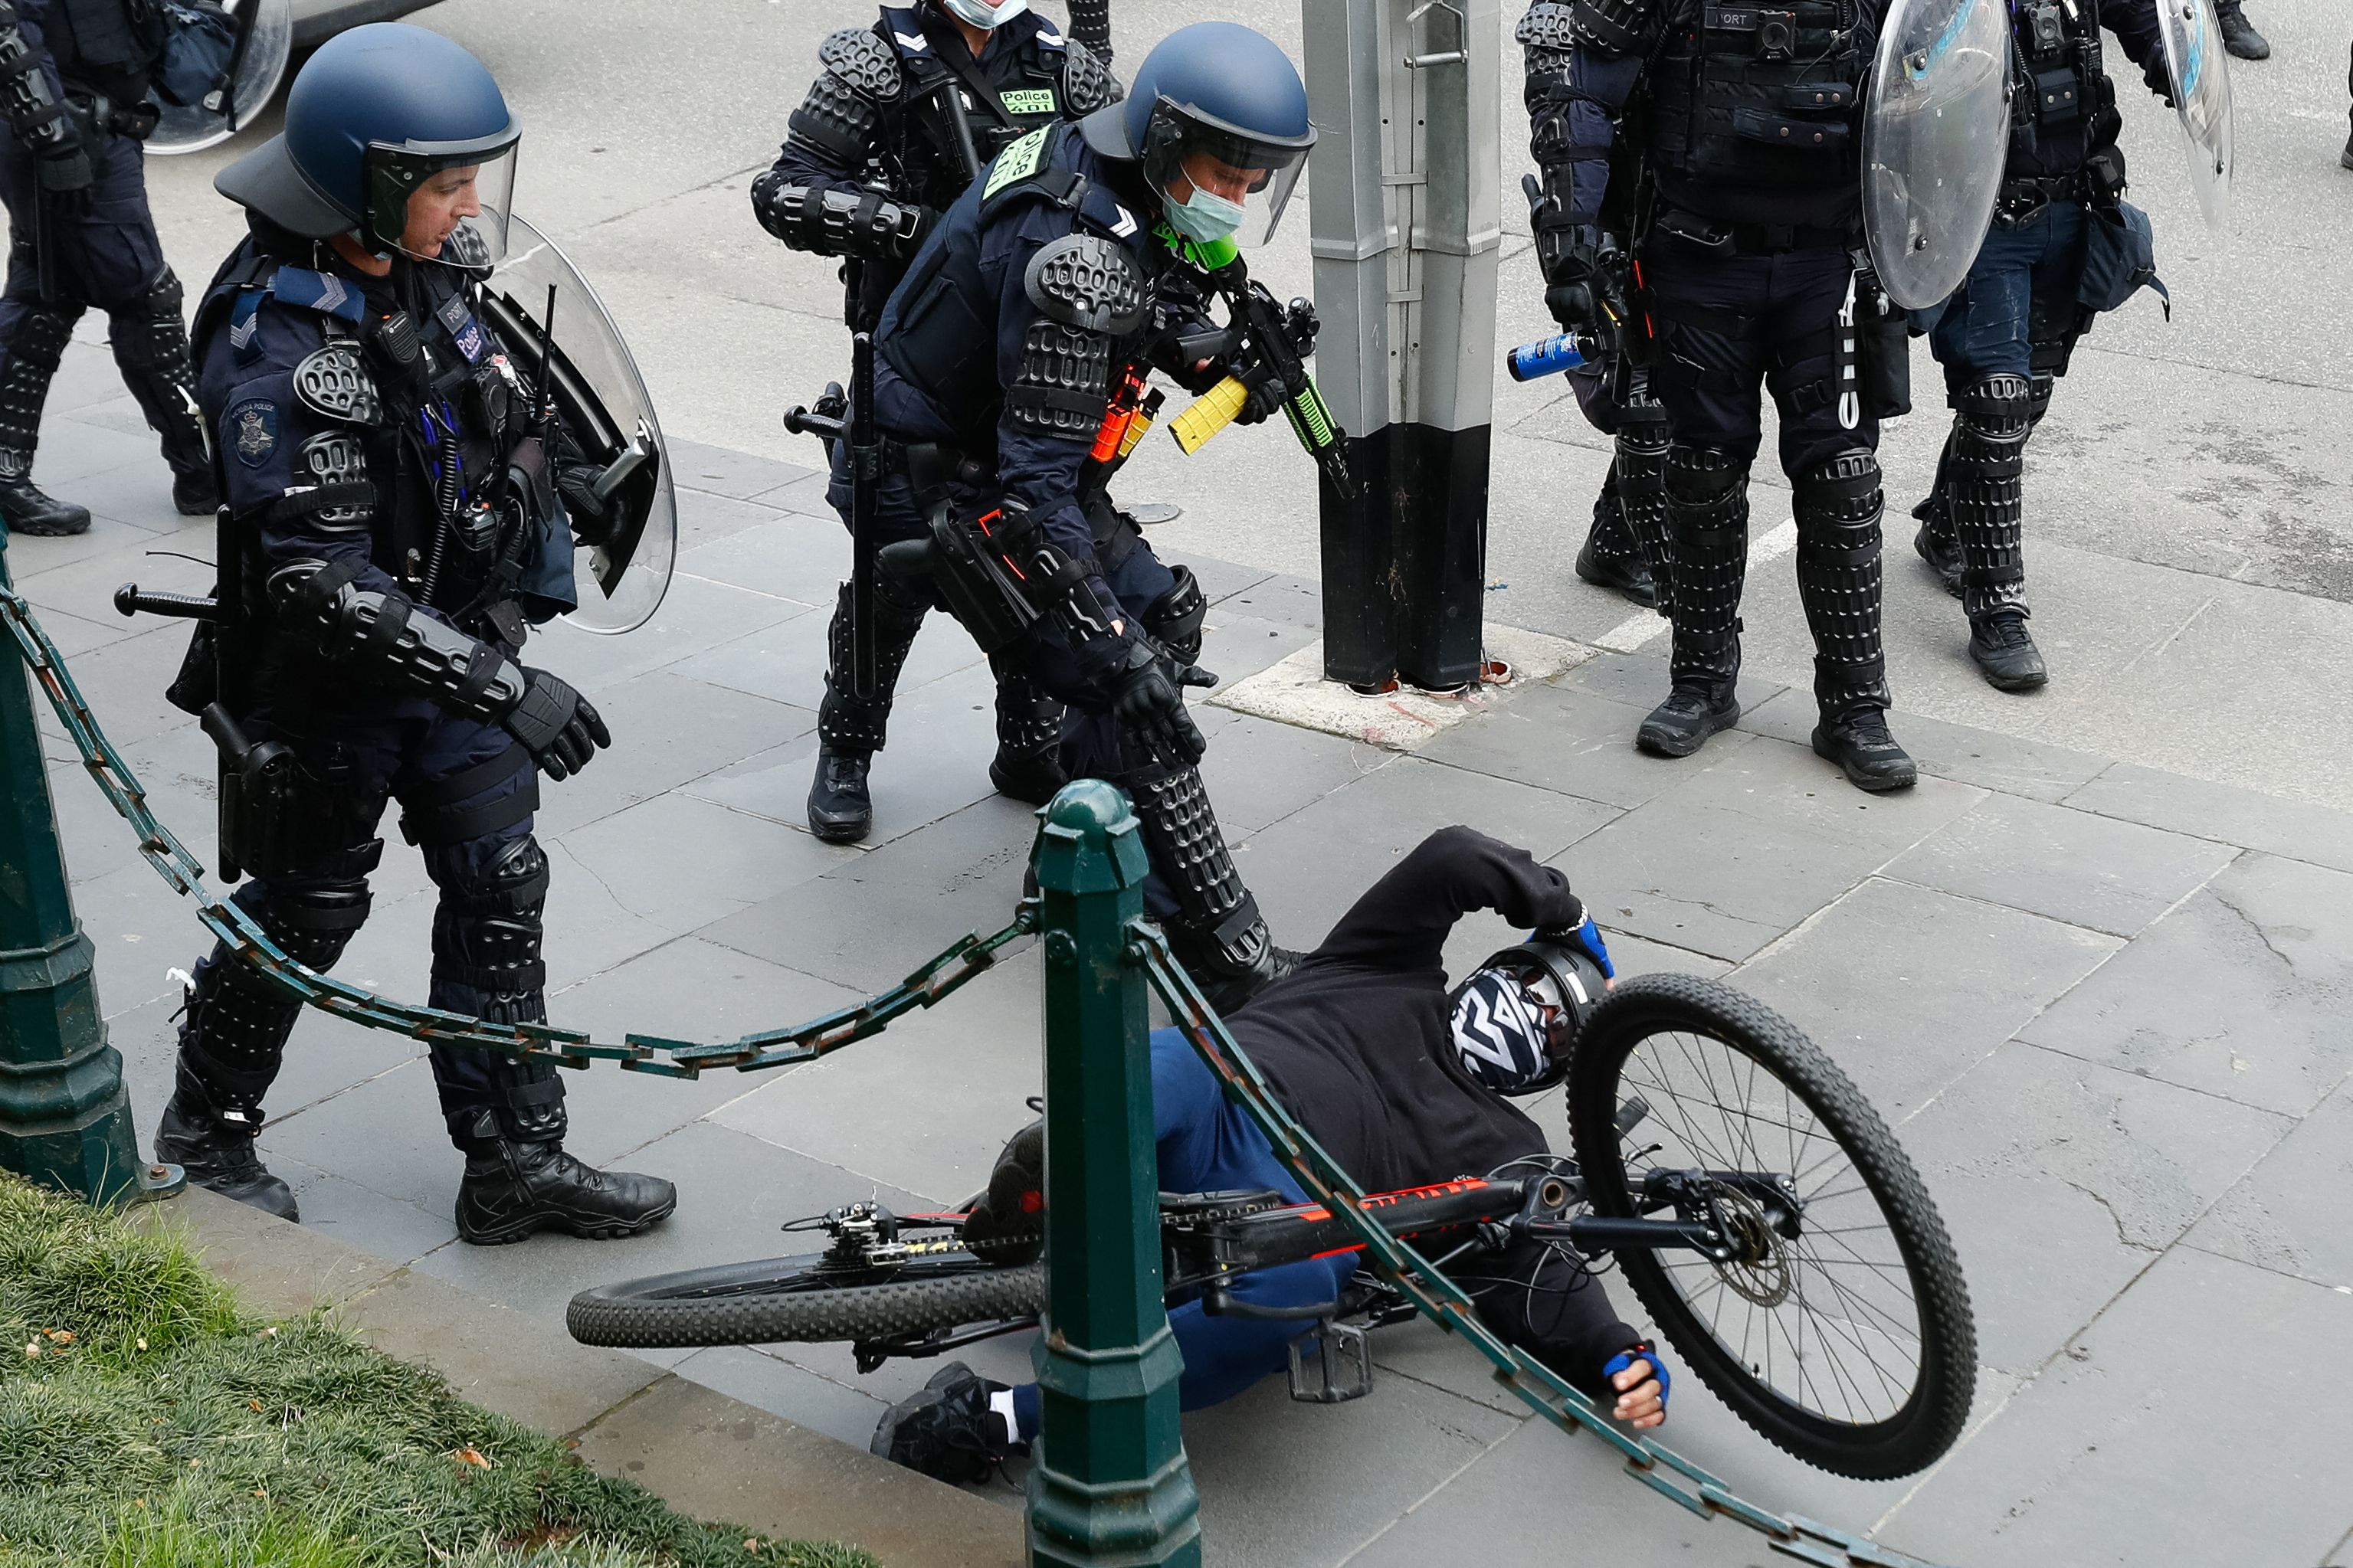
column 970, row 568
column 259, row 800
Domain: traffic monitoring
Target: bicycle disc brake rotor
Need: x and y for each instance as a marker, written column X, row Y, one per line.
column 1756, row 1271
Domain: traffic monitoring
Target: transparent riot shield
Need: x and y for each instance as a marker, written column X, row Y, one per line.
column 604, row 405
column 1936, row 131
column 2202, row 96
column 265, row 42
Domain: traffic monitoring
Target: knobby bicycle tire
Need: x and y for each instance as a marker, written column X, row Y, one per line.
column 1912, row 1437
column 799, row 1298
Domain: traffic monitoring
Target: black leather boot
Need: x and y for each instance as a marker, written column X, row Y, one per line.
column 25, row 508
column 211, row 1138
column 520, row 1182
column 841, row 811
column 194, row 494
column 2239, row 35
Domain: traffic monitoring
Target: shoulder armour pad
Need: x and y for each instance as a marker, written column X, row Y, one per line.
column 864, row 61
column 1610, row 27
column 1547, row 26
column 1088, row 283
column 1087, row 83
column 332, row 380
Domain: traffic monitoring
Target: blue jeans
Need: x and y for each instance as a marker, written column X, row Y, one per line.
column 2020, row 292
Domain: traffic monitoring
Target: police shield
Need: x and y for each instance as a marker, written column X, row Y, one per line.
column 2202, row 96
column 242, row 47
column 1936, row 131
column 604, row 406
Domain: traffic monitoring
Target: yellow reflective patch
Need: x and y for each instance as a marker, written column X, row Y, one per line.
column 1016, row 164
column 1030, row 101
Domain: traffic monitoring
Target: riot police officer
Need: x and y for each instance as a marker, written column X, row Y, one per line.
column 2038, row 282
column 1744, row 119
column 1021, row 334
column 1625, row 548
column 899, row 123
column 76, row 77
column 400, row 508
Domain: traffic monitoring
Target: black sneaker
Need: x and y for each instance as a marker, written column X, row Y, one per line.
column 1006, row 1224
column 946, row 1430
column 218, row 1155
column 1942, row 551
column 1629, row 575
column 841, row 811
column 515, row 1187
column 2239, row 35
column 1034, row 777
column 1682, row 724
column 194, row 494
column 1858, row 743
column 2005, row 652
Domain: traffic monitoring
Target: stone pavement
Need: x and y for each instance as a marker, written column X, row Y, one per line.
column 2106, row 1007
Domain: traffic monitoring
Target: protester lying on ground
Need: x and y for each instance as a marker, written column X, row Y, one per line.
column 1405, row 1082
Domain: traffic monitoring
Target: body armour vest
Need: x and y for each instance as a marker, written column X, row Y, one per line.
column 1755, row 114
column 2063, row 107
column 1023, row 70
column 110, row 46
column 936, row 337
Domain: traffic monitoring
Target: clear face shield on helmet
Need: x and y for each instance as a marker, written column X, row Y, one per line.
column 982, row 14
column 1216, row 182
column 446, row 202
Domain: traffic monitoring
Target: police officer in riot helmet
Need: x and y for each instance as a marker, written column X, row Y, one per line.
column 402, row 507
column 2058, row 255
column 1046, row 295
column 1745, row 120
column 901, row 120
column 78, row 79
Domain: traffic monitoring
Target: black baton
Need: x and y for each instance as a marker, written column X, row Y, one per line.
column 865, row 473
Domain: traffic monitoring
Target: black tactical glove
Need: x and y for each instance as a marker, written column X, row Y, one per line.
column 1148, row 699
column 556, row 725
column 592, row 519
column 1266, row 396
column 2160, row 80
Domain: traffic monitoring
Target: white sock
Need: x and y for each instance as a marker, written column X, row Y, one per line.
column 1000, row 1404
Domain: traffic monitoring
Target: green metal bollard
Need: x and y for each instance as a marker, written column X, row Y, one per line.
column 1109, row 1484
column 65, row 1119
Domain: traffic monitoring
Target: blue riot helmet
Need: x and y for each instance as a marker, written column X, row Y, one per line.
column 396, row 135
column 1217, row 118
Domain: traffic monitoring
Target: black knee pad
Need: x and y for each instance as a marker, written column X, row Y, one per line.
column 1995, row 412
column 487, row 935
column 1704, row 476
column 41, row 336
column 1175, row 618
column 1839, row 495
column 237, row 1021
column 150, row 333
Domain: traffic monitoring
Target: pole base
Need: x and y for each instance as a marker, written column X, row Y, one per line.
column 159, row 1182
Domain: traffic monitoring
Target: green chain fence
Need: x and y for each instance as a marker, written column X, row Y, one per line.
column 1111, row 1482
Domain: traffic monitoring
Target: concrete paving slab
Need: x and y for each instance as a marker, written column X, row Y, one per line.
column 871, row 923
column 1280, row 597
column 796, row 1482
column 784, row 554
column 385, row 1133
column 493, row 1356
column 768, row 1383
column 1639, row 679
column 949, row 1085
column 76, row 456
column 2062, row 1181
column 2318, row 834
column 1559, row 738
column 668, row 728
column 2088, row 870
column 785, row 660
column 2113, row 1456
column 1286, row 1483
column 344, row 1211
column 1751, row 843
column 1259, row 772
column 1907, row 989
column 598, row 929
column 279, row 1269
column 695, row 617
column 2287, row 1215
column 85, row 586
column 1293, row 691
column 123, row 682
column 1235, row 646
column 1221, row 580
column 686, row 861
column 2004, row 764
column 2271, row 944
column 722, row 471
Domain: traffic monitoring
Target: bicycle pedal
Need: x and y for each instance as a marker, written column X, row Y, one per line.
column 1340, row 1368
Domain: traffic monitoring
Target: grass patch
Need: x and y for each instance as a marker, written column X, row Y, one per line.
column 146, row 1423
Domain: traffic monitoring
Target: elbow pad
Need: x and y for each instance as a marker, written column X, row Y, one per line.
column 841, row 119
column 839, row 223
column 381, row 637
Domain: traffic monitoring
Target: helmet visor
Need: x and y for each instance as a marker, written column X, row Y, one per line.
column 1198, row 165
column 445, row 203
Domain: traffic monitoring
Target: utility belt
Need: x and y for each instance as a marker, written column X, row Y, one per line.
column 1725, row 238
column 2021, row 201
column 97, row 112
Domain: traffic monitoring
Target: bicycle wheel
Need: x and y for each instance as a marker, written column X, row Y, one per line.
column 1840, row 1332
column 810, row 1297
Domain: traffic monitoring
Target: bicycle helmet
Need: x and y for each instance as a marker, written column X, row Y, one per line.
column 1515, row 1018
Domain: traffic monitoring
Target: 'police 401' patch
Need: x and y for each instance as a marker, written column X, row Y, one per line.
column 253, row 429
column 1029, row 101
column 1016, row 164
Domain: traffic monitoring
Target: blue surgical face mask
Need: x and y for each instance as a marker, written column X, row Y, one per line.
column 1204, row 216
column 986, row 14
